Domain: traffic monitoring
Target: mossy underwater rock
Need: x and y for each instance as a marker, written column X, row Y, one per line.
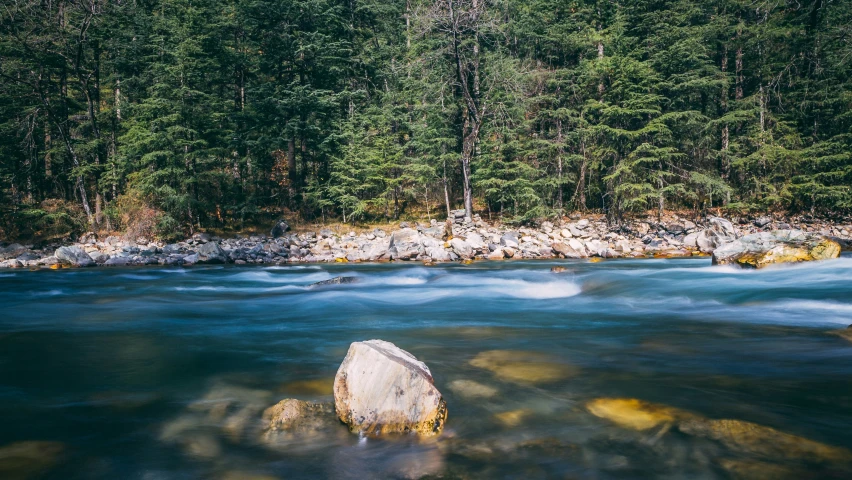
column 29, row 459
column 523, row 367
column 754, row 439
column 296, row 424
column 635, row 414
column 382, row 389
column 744, row 438
column 470, row 389
column 781, row 246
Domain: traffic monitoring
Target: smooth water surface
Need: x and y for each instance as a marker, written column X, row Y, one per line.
column 151, row 373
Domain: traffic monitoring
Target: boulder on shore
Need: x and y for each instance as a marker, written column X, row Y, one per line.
column 380, row 388
column 211, row 252
column 781, row 246
column 721, row 232
column 279, row 229
column 405, row 244
column 462, row 248
column 75, row 256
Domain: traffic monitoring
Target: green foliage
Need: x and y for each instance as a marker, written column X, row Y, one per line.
column 212, row 113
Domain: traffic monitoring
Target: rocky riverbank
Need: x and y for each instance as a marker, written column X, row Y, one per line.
column 460, row 238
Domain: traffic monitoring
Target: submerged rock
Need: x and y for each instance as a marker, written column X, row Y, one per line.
column 754, row 439
column 635, row 414
column 380, row 388
column 291, row 423
column 243, row 475
column 523, row 367
column 846, row 333
column 471, row 389
column 558, row 269
column 75, row 256
column 755, row 470
column 225, row 409
column 513, row 418
column 741, row 437
column 781, row 246
column 30, row 459
column 335, row 281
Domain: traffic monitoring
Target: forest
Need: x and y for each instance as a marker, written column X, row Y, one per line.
column 166, row 117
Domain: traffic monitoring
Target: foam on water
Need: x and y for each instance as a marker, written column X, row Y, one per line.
column 533, row 290
column 816, row 311
column 47, row 293
column 268, row 277
column 132, row 276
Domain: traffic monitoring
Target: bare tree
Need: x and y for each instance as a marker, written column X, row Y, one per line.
column 464, row 24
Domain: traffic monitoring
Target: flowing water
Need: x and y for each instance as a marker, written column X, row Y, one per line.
column 163, row 373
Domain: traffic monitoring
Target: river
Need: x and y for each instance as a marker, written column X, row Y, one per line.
column 152, row 373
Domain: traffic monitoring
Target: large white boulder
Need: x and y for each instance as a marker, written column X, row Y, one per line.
column 75, row 256
column 597, row 248
column 380, row 388
column 721, row 232
column 475, row 241
column 462, row 248
column 567, row 251
column 405, row 244
column 377, row 249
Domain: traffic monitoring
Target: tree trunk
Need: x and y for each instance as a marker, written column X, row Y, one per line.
column 291, row 161
column 446, row 189
column 559, row 152
column 467, row 74
column 738, row 65
column 726, row 134
column 468, row 144
column 580, row 193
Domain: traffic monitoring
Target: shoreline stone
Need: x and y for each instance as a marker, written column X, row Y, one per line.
column 780, row 246
column 460, row 238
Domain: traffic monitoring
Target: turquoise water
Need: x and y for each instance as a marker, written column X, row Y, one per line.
column 162, row 373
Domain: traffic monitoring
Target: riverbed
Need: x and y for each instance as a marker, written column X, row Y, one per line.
column 162, row 373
